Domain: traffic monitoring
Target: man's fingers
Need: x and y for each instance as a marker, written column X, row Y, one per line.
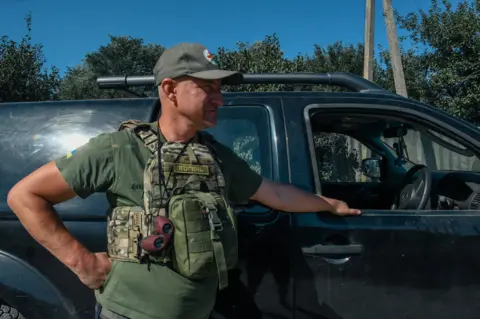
column 355, row 211
column 350, row 211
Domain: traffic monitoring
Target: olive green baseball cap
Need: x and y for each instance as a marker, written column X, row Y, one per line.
column 194, row 60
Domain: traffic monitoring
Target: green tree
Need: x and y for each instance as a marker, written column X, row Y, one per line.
column 335, row 162
column 121, row 56
column 340, row 57
column 414, row 71
column 450, row 58
column 23, row 76
column 264, row 56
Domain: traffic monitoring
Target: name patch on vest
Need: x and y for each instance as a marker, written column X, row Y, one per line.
column 190, row 169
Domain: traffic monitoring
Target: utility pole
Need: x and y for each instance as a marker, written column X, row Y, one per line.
column 369, row 44
column 400, row 85
column 397, row 67
column 369, row 39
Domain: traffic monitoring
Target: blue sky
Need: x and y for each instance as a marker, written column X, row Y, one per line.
column 69, row 29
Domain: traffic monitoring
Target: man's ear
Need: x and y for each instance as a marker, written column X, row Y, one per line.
column 169, row 90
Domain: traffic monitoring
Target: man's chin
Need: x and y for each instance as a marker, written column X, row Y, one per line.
column 210, row 122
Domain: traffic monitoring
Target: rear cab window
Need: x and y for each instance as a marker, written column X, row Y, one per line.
column 245, row 130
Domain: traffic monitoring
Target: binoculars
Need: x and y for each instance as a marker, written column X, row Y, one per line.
column 161, row 237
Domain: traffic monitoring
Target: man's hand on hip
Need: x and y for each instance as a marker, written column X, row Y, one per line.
column 94, row 270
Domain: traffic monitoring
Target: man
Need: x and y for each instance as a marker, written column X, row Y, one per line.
column 189, row 90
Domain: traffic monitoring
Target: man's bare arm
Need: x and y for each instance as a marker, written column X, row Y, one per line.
column 32, row 200
column 292, row 199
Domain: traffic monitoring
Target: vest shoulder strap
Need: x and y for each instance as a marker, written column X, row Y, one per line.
column 144, row 131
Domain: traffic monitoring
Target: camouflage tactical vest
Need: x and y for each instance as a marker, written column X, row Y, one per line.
column 189, row 198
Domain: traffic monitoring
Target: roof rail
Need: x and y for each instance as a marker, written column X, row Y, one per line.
column 346, row 80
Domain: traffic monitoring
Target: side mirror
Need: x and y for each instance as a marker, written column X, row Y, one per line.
column 371, row 167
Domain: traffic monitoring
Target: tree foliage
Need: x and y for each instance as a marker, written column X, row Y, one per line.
column 450, row 58
column 23, row 76
column 335, row 162
column 264, row 56
column 121, row 56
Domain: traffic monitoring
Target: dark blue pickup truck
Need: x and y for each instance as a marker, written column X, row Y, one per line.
column 412, row 169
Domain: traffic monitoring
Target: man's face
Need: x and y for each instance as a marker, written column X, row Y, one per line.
column 199, row 101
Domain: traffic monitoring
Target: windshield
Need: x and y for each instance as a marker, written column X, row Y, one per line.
column 434, row 150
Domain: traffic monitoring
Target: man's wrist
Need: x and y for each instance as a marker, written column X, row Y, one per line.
column 330, row 204
column 77, row 257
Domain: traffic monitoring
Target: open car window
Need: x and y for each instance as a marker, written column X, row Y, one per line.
column 435, row 150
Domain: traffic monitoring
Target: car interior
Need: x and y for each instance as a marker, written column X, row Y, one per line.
column 388, row 178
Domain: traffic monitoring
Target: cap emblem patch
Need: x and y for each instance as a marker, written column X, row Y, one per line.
column 208, row 56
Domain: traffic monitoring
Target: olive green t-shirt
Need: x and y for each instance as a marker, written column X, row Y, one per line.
column 113, row 163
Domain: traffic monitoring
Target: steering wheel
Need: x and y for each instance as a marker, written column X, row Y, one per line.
column 414, row 190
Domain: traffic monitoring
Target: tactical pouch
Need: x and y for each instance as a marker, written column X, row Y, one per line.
column 124, row 232
column 205, row 237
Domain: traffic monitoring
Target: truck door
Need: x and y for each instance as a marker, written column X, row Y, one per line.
column 393, row 262
column 261, row 285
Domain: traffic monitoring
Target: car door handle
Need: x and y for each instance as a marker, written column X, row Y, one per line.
column 333, row 250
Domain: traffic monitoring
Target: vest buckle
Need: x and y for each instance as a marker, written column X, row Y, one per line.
column 215, row 222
